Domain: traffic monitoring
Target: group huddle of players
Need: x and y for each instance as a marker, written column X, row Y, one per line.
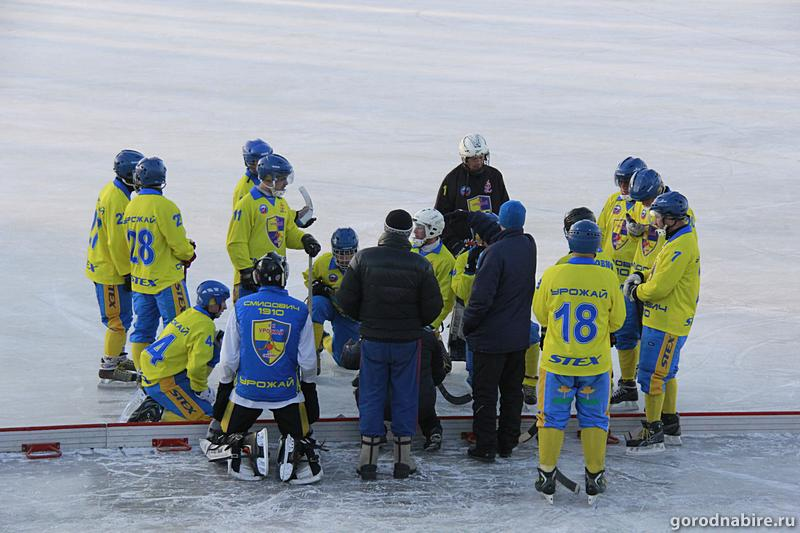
column 631, row 280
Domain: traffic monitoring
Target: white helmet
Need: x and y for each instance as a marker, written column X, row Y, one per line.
column 473, row 146
column 430, row 219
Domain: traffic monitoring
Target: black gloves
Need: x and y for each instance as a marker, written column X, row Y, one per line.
column 542, row 333
column 613, row 339
column 318, row 288
column 472, row 260
column 310, row 245
column 126, row 280
column 248, row 282
column 458, row 216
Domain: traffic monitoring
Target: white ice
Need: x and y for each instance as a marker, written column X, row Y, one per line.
column 368, row 100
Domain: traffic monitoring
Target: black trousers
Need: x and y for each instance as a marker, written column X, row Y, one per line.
column 294, row 419
column 493, row 372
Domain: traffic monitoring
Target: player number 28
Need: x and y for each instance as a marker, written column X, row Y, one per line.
column 145, row 251
column 584, row 329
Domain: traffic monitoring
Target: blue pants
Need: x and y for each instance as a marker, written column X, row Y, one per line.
column 628, row 335
column 388, row 366
column 658, row 359
column 116, row 310
column 149, row 308
column 344, row 328
column 592, row 394
column 176, row 395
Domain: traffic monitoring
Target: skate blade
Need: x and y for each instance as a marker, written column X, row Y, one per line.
column 645, row 450
column 592, row 500
column 673, row 440
column 115, row 384
column 245, row 473
column 548, row 498
column 215, row 453
column 305, row 477
column 286, row 468
column 625, row 406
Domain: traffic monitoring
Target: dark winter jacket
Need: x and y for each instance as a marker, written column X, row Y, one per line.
column 390, row 290
column 497, row 318
column 485, row 189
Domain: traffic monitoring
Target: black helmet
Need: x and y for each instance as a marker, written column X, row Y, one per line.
column 574, row 215
column 272, row 269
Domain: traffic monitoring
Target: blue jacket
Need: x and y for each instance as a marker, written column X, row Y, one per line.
column 497, row 318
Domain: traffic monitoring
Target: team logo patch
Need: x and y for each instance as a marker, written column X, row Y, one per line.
column 275, row 227
column 487, row 187
column 617, row 209
column 262, row 209
column 464, row 190
column 619, row 234
column 333, row 278
column 480, row 203
column 269, row 339
column 650, row 243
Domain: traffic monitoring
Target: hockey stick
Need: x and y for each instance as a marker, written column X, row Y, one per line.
column 567, row 482
column 529, row 434
column 310, row 305
column 455, row 400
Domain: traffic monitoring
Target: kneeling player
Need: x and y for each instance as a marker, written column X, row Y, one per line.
column 326, row 277
column 580, row 304
column 269, row 351
column 175, row 367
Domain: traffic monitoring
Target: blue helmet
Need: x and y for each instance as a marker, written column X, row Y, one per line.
column 125, row 163
column 344, row 243
column 627, row 168
column 212, row 292
column 646, row 184
column 272, row 168
column 671, row 204
column 254, row 150
column 584, row 237
column 150, row 173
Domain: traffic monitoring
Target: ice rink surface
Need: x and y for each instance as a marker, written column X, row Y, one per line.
column 143, row 490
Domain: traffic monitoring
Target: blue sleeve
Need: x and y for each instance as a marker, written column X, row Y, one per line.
column 487, row 278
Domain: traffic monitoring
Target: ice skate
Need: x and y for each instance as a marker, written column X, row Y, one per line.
column 672, row 429
column 626, row 397
column 595, row 485
column 649, row 440
column 546, row 484
column 117, row 372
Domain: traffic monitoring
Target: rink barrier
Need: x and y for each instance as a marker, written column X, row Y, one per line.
column 345, row 429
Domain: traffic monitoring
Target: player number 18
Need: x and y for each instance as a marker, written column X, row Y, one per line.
column 585, row 329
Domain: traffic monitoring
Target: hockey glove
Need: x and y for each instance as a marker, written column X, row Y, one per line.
column 613, row 340
column 634, row 228
column 318, row 288
column 126, row 280
column 248, row 282
column 542, row 333
column 310, row 245
column 631, row 282
column 459, row 216
column 187, row 263
column 472, row 260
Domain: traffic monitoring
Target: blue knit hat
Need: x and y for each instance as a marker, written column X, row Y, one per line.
column 512, row 215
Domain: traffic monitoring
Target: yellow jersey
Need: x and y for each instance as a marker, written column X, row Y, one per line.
column 326, row 270
column 616, row 241
column 187, row 343
column 672, row 288
column 243, row 186
column 442, row 262
column 157, row 242
column 600, row 258
column 260, row 224
column 580, row 303
column 651, row 241
column 462, row 282
column 107, row 259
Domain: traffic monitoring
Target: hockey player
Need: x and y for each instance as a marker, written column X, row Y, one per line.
column 669, row 293
column 159, row 255
column 326, row 277
column 263, row 222
column 108, row 267
column 621, row 237
column 428, row 226
column 252, row 152
column 473, row 185
column 268, row 362
column 175, row 368
column 394, row 294
column 580, row 304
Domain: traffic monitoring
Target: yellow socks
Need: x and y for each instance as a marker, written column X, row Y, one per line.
column 136, row 353
column 653, row 406
column 550, row 442
column 671, row 397
column 628, row 359
column 319, row 329
column 531, row 365
column 594, row 448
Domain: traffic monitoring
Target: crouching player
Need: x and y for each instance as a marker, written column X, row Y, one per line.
column 326, row 277
column 669, row 294
column 175, row 367
column 268, row 362
column 580, row 304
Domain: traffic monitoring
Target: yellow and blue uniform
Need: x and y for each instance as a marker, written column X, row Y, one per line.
column 260, row 223
column 580, row 304
column 669, row 294
column 243, row 186
column 175, row 368
column 157, row 248
column 600, row 258
column 107, row 264
column 442, row 262
column 323, row 309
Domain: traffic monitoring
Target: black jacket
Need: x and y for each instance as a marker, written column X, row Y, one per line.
column 457, row 188
column 390, row 290
column 497, row 318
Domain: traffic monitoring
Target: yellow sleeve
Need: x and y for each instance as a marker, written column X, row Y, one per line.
column 117, row 236
column 670, row 265
column 617, row 315
column 200, row 348
column 444, row 275
column 293, row 233
column 170, row 222
column 317, row 269
column 237, row 241
column 540, row 301
column 602, row 220
column 462, row 282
